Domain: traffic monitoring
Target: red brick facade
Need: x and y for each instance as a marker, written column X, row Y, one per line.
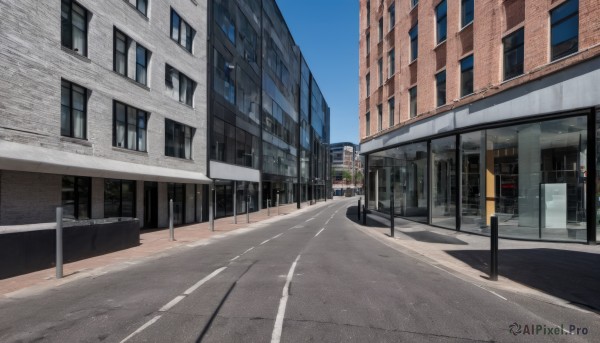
column 493, row 20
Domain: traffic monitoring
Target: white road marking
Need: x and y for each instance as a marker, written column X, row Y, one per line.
column 318, row 233
column 171, row 303
column 276, row 336
column 277, row 235
column 247, row 251
column 496, row 294
column 235, row 258
column 142, row 328
column 265, row 241
column 203, row 281
column 309, row 219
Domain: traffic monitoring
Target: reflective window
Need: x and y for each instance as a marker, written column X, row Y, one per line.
column 412, row 94
column 129, row 130
column 141, row 64
column 379, row 118
column 178, row 139
column 247, row 96
column 466, row 76
column 564, row 33
column 176, row 192
column 440, row 86
column 120, row 52
column 392, row 15
column 179, row 86
column 368, row 13
column 467, row 11
column 414, row 3
column 391, row 63
column 443, row 183
column 368, row 124
column 441, row 19
column 73, row 113
column 414, row 42
column 224, row 82
column 514, row 54
column 181, row 31
column 142, row 6
column 368, row 84
column 76, row 197
column 119, row 198
column 380, row 30
column 74, row 27
column 249, row 40
column 368, row 44
column 391, row 113
column 380, row 71
column 473, row 176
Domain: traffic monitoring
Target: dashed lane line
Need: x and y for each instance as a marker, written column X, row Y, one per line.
column 277, row 328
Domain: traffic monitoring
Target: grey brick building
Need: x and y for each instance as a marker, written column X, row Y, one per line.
column 103, row 110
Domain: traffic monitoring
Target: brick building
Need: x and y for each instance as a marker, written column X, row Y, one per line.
column 475, row 108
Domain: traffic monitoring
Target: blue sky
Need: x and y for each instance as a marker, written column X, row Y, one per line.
column 327, row 33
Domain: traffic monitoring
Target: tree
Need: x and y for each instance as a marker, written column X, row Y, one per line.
column 346, row 176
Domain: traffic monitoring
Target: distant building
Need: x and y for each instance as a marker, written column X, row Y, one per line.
column 470, row 109
column 346, row 168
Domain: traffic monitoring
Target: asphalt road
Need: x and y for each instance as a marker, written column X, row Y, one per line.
column 308, row 278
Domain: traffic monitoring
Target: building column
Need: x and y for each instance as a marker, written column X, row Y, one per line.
column 529, row 175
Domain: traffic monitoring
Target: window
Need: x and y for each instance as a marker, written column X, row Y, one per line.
column 368, row 44
column 73, row 114
column 514, row 54
column 249, row 40
column 391, row 111
column 467, row 11
column 76, row 197
column 225, row 19
column 414, row 3
column 440, row 86
column 224, row 80
column 380, row 30
column 129, row 128
column 142, row 6
column 368, row 13
column 141, row 64
column 119, row 198
column 466, row 76
column 368, row 124
column 380, row 71
column 247, row 96
column 414, row 42
column 379, row 117
column 178, row 139
column 181, row 31
column 440, row 14
column 74, row 27
column 120, row 52
column 412, row 93
column 391, row 63
column 179, row 86
column 392, row 15
column 565, row 29
column 368, row 84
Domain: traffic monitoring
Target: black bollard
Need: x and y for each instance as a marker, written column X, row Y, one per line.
column 494, row 249
column 359, row 209
column 364, row 215
column 392, row 217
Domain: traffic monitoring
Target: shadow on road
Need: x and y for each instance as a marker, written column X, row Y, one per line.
column 570, row 275
column 351, row 213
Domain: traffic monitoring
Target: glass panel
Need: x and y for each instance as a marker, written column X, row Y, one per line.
column 466, row 79
column 175, row 23
column 141, row 135
column 414, row 42
column 79, row 29
column 65, row 26
column 443, row 187
column 128, row 199
column 188, row 142
column 441, row 11
column 120, row 125
column 514, row 54
column 141, row 67
column 467, row 11
column 413, row 101
column 131, row 128
column 142, row 6
column 472, row 161
column 112, row 198
column 565, row 39
column 120, row 53
column 83, row 198
column 441, row 88
column 68, row 196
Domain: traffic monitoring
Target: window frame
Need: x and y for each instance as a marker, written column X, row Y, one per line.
column 392, row 16
column 464, row 70
column 116, row 33
column 178, row 127
column 145, row 67
column 133, row 184
column 391, row 62
column 368, row 84
column 179, row 39
column 71, row 116
column 69, row 43
column 553, row 56
column 380, row 30
column 368, row 124
column 76, row 197
column 514, row 49
column 137, row 127
column 413, row 34
column 438, row 82
column 379, row 117
column 464, row 11
column 439, row 19
column 391, row 111
column 380, row 71
column 137, row 6
column 412, row 100
column 182, row 76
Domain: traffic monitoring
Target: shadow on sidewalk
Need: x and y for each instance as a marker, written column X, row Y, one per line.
column 570, row 275
column 351, row 213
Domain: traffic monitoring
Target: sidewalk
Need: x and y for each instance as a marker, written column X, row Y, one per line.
column 153, row 244
column 566, row 274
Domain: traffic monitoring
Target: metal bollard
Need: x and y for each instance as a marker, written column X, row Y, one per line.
column 171, row 230
column 364, row 215
column 359, row 199
column 59, row 242
column 494, row 249
column 248, row 210
column 392, row 217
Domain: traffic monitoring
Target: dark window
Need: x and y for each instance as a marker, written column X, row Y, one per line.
column 565, row 29
column 414, row 42
column 224, row 80
column 380, row 30
column 391, row 63
column 142, row 6
column 368, row 13
column 119, row 198
column 414, row 3
column 129, row 129
column 442, row 26
column 412, row 93
column 467, row 12
column 76, row 197
column 217, row 148
column 178, row 139
column 176, row 192
column 179, row 86
column 514, row 54
column 121, row 43
column 392, row 15
column 440, row 85
column 249, row 40
column 141, row 64
column 74, row 26
column 380, row 71
column 379, row 117
column 368, row 124
column 224, row 19
column 73, row 114
column 466, row 76
column 368, row 44
column 368, row 84
column 391, row 107
column 181, row 31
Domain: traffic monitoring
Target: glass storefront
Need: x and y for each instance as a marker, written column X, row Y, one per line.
column 531, row 176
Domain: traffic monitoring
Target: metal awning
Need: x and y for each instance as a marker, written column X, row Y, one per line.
column 36, row 159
